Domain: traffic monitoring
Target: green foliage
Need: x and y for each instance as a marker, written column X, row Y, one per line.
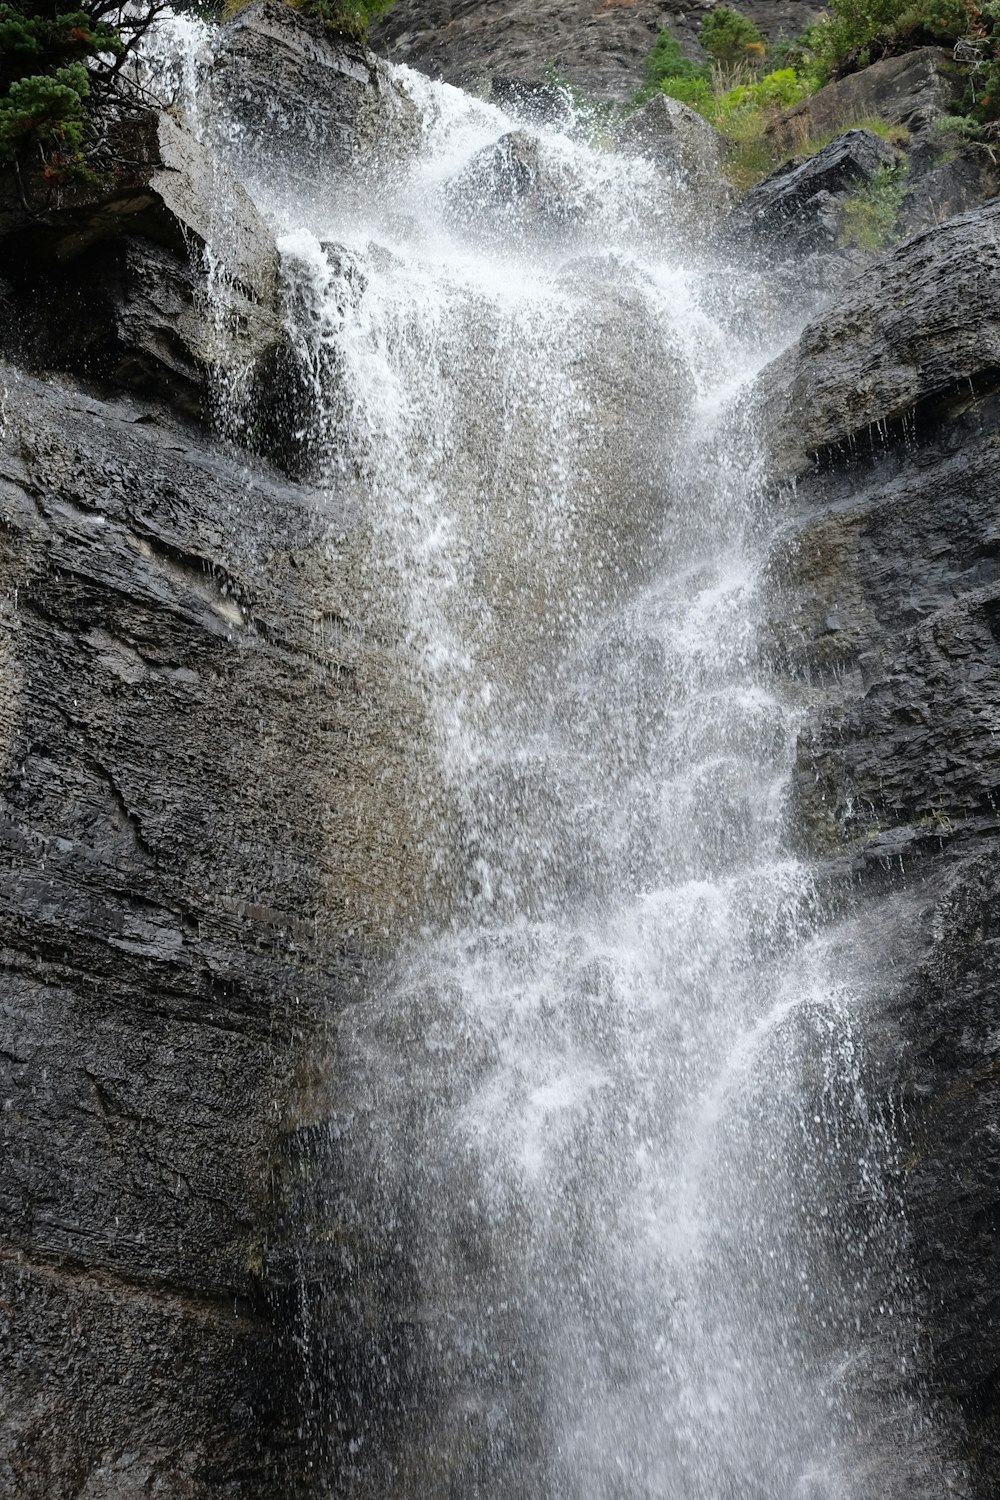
column 770, row 95
column 666, row 64
column 47, row 112
column 56, row 67
column 730, row 38
column 346, row 17
column 696, row 92
column 952, row 132
column 806, row 53
column 857, row 32
column 870, row 216
column 343, row 17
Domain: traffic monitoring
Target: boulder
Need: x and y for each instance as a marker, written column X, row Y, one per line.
column 164, row 282
column 289, row 92
column 919, row 329
column 516, row 184
column 910, row 90
column 798, row 208
column 680, row 142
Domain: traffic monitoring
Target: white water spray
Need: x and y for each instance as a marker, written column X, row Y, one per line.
column 611, row 1191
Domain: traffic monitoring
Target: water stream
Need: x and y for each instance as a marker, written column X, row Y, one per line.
column 610, row 1194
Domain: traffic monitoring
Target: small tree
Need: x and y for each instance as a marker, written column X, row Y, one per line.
column 58, row 68
column 667, row 69
column 731, row 38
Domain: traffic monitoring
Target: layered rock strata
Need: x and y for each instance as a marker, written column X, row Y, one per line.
column 886, row 596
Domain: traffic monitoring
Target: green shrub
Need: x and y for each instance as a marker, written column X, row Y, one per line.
column 870, row 215
column 342, row 17
column 47, row 113
column 773, row 93
column 56, row 68
column 858, row 32
column 695, row 92
column 952, row 132
column 731, row 38
column 666, row 63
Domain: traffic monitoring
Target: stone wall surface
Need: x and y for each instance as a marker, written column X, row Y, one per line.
column 172, row 709
column 885, row 594
column 200, row 828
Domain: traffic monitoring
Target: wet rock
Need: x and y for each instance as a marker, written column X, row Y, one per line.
column 157, row 956
column 679, row 141
column 293, row 94
column 944, row 183
column 115, row 284
column 917, row 331
column 203, row 823
column 515, row 184
column 911, row 90
column 884, row 591
column 798, row 209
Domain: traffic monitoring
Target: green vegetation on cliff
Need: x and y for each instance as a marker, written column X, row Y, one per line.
column 57, row 67
column 343, row 17
column 747, row 82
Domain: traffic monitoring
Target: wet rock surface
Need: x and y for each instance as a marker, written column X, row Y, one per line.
column 294, row 96
column 886, row 591
column 798, row 209
column 682, row 143
column 112, row 283
column 160, row 861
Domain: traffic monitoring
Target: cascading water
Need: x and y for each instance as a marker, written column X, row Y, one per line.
column 610, row 1198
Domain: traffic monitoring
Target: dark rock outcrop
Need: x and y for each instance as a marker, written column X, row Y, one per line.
column 289, row 96
column 199, row 835
column 886, row 592
column 916, row 92
column 112, row 283
column 162, row 877
column 799, row 208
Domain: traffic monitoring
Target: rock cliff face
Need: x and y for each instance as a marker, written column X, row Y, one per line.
column 196, row 828
column 197, row 842
column 886, row 590
column 597, row 45
column 162, row 871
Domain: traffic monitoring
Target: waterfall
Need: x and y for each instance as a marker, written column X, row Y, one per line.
column 610, row 1196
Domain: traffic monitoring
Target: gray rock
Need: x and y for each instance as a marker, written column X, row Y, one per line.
column 943, row 184
column 885, row 592
column 920, row 328
column 115, row 283
column 515, row 185
column 910, row 90
column 291, row 94
column 598, row 47
column 157, row 958
column 681, row 142
column 797, row 209
column 203, row 823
